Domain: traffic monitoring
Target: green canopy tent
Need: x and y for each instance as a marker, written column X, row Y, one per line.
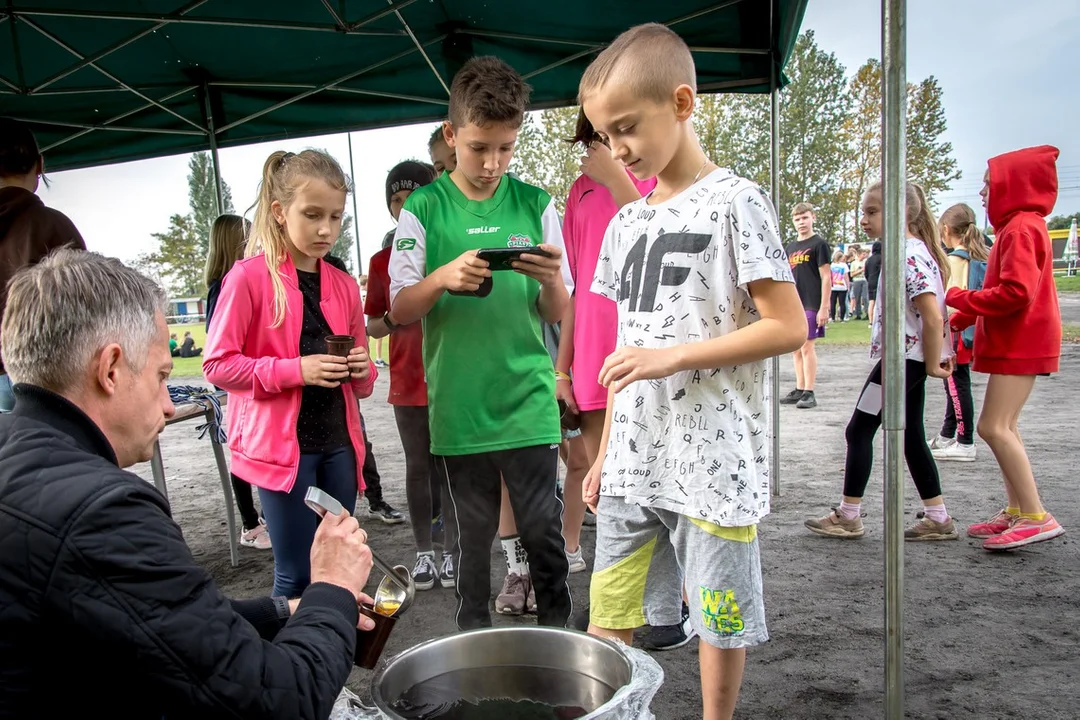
column 133, row 79
column 119, row 80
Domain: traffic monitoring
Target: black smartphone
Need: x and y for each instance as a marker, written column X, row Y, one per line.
column 500, row 258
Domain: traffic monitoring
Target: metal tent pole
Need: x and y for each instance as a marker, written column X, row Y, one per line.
column 211, row 133
column 774, row 189
column 356, row 213
column 894, row 176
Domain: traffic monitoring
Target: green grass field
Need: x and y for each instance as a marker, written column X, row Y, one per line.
column 192, row 367
column 1067, row 284
column 851, row 333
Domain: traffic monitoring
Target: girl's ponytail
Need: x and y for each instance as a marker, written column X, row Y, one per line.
column 960, row 219
column 921, row 224
column 267, row 236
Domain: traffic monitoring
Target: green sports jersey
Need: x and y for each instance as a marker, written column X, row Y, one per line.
column 491, row 383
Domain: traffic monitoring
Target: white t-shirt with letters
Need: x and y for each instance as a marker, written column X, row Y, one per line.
column 697, row 442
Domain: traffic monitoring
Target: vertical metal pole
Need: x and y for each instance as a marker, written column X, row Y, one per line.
column 894, row 176
column 356, row 214
column 215, row 162
column 774, row 190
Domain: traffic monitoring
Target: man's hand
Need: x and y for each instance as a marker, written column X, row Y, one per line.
column 941, row 370
column 364, row 623
column 546, row 270
column 326, row 371
column 463, row 274
column 627, row 365
column 340, row 555
column 359, row 363
column 598, row 164
column 590, row 485
column 822, row 317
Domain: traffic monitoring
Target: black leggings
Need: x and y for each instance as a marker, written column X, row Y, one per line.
column 863, row 427
column 838, row 305
column 425, row 485
column 245, row 503
column 959, row 407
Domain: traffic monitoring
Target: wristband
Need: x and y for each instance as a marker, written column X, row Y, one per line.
column 390, row 325
column 281, row 607
column 560, row 375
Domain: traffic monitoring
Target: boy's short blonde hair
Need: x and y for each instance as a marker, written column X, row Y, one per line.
column 651, row 59
column 800, row 208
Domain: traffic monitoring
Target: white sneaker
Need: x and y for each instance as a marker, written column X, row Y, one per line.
column 956, row 453
column 577, row 563
column 940, row 443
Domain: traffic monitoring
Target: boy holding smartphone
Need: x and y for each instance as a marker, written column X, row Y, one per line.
column 491, row 385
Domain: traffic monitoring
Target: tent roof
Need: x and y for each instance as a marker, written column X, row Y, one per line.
column 132, row 79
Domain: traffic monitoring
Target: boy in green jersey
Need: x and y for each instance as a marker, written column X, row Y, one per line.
column 491, row 386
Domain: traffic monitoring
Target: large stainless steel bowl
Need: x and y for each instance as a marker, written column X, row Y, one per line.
column 512, row 663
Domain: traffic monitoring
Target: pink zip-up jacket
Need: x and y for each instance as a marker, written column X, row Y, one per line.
column 259, row 366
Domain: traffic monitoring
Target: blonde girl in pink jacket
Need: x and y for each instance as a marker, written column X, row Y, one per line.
column 293, row 418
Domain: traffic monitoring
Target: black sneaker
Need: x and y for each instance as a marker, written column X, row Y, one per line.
column 383, row 511
column 807, row 401
column 446, row 573
column 423, row 573
column 670, row 637
column 792, row 397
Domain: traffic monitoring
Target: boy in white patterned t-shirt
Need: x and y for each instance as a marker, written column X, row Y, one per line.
column 705, row 295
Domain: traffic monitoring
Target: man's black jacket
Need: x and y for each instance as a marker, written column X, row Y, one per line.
column 104, row 611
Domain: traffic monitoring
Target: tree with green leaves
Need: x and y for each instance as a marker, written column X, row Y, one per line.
column 178, row 262
column 734, row 131
column 543, row 157
column 1062, row 222
column 813, row 142
column 863, row 130
column 202, row 198
column 345, row 246
column 929, row 159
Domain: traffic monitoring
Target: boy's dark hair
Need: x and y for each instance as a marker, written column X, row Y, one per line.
column 584, row 132
column 19, row 153
column 488, row 91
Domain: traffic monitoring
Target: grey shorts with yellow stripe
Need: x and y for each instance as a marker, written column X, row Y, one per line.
column 643, row 555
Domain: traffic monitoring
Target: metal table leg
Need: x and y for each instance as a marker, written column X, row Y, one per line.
column 226, row 487
column 157, row 468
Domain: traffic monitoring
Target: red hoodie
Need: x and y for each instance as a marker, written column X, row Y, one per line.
column 1016, row 316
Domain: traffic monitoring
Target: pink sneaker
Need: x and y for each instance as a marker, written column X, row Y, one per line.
column 259, row 538
column 1024, row 532
column 994, row 526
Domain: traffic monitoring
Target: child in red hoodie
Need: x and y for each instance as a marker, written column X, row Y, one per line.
column 1017, row 332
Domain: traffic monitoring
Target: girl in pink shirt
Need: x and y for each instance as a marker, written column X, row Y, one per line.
column 588, row 330
column 293, row 419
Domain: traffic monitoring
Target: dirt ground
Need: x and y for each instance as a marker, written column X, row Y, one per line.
column 987, row 636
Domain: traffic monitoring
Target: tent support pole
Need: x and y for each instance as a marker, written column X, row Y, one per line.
column 894, row 176
column 355, row 212
column 774, row 190
column 211, row 133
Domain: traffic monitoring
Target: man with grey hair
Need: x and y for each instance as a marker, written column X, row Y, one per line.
column 94, row 573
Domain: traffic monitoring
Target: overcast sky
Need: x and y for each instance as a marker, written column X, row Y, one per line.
column 1007, row 69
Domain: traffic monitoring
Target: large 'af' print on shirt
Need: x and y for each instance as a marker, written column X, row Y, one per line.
column 645, row 270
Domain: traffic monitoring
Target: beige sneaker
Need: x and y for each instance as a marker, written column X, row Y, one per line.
column 927, row 529
column 512, row 599
column 832, row 525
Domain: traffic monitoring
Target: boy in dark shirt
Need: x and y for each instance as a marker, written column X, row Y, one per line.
column 809, row 258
